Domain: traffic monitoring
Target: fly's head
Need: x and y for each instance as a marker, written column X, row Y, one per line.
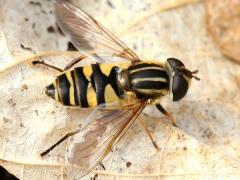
column 179, row 78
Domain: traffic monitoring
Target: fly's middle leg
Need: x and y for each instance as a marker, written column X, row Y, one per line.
column 149, row 134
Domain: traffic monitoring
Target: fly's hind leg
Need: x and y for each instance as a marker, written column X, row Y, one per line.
column 67, row 67
column 73, row 62
column 168, row 114
column 44, row 153
column 48, row 65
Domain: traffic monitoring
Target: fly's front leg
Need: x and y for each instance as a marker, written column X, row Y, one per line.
column 168, row 114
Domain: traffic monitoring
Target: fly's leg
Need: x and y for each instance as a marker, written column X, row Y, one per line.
column 168, row 114
column 73, row 62
column 150, row 135
column 48, row 65
column 59, row 142
column 67, row 67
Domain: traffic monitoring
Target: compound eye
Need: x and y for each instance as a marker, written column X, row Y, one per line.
column 179, row 87
column 178, row 82
column 174, row 62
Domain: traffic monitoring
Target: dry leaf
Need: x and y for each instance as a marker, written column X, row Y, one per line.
column 223, row 21
column 204, row 146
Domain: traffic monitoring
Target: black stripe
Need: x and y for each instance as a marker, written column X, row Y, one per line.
column 64, row 86
column 150, row 85
column 99, row 82
column 93, row 82
column 75, row 88
column 142, row 65
column 149, row 73
column 83, row 85
column 112, row 78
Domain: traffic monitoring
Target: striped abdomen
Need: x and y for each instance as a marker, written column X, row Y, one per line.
column 148, row 79
column 86, row 86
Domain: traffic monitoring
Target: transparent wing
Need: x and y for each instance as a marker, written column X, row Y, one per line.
column 89, row 36
column 94, row 141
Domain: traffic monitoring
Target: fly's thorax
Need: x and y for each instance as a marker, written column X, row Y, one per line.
column 148, row 80
column 123, row 79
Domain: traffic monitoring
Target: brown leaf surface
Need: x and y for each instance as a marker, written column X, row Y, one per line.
column 223, row 20
column 204, row 146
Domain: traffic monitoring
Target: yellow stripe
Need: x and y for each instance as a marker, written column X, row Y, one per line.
column 106, row 68
column 91, row 96
column 71, row 89
column 145, row 68
column 153, row 91
column 56, row 92
column 110, row 95
column 87, row 71
column 149, row 79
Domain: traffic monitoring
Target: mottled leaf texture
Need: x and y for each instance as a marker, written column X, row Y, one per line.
column 223, row 20
column 204, row 145
column 5, row 175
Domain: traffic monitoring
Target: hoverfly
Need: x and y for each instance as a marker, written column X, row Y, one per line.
column 119, row 94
